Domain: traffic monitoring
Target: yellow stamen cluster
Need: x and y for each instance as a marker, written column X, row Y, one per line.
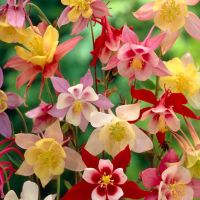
column 3, row 101
column 137, row 63
column 106, row 180
column 77, row 107
column 162, row 124
column 177, row 191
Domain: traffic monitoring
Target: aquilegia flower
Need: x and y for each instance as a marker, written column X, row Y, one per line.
column 8, row 100
column 114, row 133
column 30, row 191
column 170, row 16
column 103, row 179
column 79, row 101
column 40, row 54
column 184, row 78
column 79, row 12
column 46, row 157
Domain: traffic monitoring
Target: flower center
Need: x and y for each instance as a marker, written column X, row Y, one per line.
column 177, row 191
column 77, row 106
column 137, row 63
column 81, row 4
column 162, row 124
column 3, row 101
column 118, row 131
column 106, row 180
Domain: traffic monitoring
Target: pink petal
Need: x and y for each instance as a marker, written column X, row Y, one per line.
column 195, row 183
column 63, row 19
column 114, row 192
column 144, row 73
column 87, row 79
column 120, row 176
column 66, row 47
column 64, row 100
column 172, row 121
column 113, row 62
column 153, row 126
column 125, row 52
column 99, row 9
column 73, row 160
column 25, row 170
column 84, row 123
column 1, row 77
column 99, row 193
column 192, row 25
column 57, row 112
column 54, row 131
column 192, row 2
column 128, row 112
column 79, row 26
column 89, row 94
column 150, row 178
column 14, row 100
column 36, row 112
column 76, row 91
column 73, row 117
column 103, row 102
column 91, row 175
column 129, row 36
column 187, row 59
column 142, row 141
column 160, row 69
column 105, row 166
column 5, row 125
column 145, row 12
column 60, row 85
column 124, row 69
column 26, row 140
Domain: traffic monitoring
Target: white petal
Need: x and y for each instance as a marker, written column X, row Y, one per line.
column 89, row 94
column 194, row 101
column 64, row 100
column 89, row 174
column 117, row 195
column 98, row 119
column 105, row 164
column 50, row 197
column 128, row 112
column 30, row 191
column 172, row 121
column 11, row 195
column 96, row 196
column 121, row 174
column 88, row 108
column 73, row 117
column 189, row 193
column 76, row 91
column 142, row 141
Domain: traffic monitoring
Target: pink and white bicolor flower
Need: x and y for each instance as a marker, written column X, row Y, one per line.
column 79, row 101
column 107, row 180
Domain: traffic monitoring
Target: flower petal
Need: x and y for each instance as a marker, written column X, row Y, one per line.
column 114, row 192
column 60, row 84
column 103, row 102
column 88, row 108
column 87, row 79
column 64, row 100
column 89, row 94
column 73, row 117
column 105, row 166
column 25, row 170
column 1, row 77
column 76, row 91
column 29, row 191
column 172, row 121
column 129, row 36
column 91, row 175
column 192, row 2
column 5, row 125
column 14, row 100
column 119, row 176
column 11, row 195
column 99, row 193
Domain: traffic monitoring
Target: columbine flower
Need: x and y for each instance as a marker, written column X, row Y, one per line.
column 162, row 113
column 170, row 180
column 8, row 100
column 12, row 19
column 79, row 101
column 79, row 12
column 103, row 179
column 30, row 191
column 46, row 157
column 40, row 54
column 137, row 60
column 185, row 78
column 114, row 133
column 170, row 16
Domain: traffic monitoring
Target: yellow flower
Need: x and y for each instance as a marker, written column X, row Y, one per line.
column 170, row 14
column 3, row 101
column 79, row 8
column 38, row 49
column 184, row 78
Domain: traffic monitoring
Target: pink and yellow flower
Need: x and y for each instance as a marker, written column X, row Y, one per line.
column 170, row 16
column 45, row 156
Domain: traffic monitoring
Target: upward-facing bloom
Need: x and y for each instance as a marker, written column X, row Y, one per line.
column 79, row 101
column 39, row 53
column 103, row 179
column 45, row 156
column 8, row 100
column 79, row 12
column 170, row 16
column 184, row 78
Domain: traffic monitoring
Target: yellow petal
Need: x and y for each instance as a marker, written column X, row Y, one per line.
column 74, row 14
column 23, row 53
column 58, row 167
column 87, row 13
column 31, row 155
column 38, row 60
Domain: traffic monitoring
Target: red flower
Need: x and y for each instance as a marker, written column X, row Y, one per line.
column 103, row 179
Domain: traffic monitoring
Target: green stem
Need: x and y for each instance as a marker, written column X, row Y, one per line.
column 7, row 182
column 22, row 119
column 157, row 86
column 58, row 189
column 49, row 91
column 42, row 15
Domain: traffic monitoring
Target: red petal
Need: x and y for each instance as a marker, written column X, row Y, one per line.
column 122, row 159
column 50, row 70
column 144, row 95
column 131, row 190
column 172, row 99
column 161, row 137
column 90, row 160
column 183, row 110
column 81, row 191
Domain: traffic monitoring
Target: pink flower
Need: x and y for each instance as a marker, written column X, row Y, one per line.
column 80, row 12
column 79, row 101
column 8, row 100
column 14, row 13
column 137, row 60
column 170, row 16
column 103, row 179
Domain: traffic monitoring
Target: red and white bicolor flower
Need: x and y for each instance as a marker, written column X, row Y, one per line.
column 105, row 180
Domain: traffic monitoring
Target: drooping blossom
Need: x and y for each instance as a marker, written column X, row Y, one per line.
column 170, row 180
column 6, row 167
column 80, row 12
column 30, row 191
column 40, row 54
column 162, row 112
column 45, row 156
column 107, row 44
column 170, row 16
column 136, row 59
column 12, row 19
column 103, row 179
column 79, row 101
column 184, row 78
column 113, row 132
column 8, row 100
